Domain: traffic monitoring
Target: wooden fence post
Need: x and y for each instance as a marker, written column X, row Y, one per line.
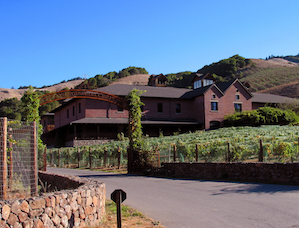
column 10, row 169
column 90, row 165
column 158, row 153
column 105, row 156
column 68, row 157
column 34, row 174
column 174, row 153
column 118, row 157
column 3, row 157
column 228, row 153
column 51, row 155
column 58, row 155
column 196, row 152
column 45, row 160
column 78, row 157
column 261, row 154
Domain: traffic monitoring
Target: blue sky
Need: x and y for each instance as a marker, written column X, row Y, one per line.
column 46, row 42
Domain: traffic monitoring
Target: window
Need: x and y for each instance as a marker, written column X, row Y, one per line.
column 214, row 106
column 213, row 96
column 79, row 108
column 237, row 97
column 67, row 113
column 120, row 109
column 178, row 108
column 73, row 110
column 238, row 107
column 142, row 108
column 160, row 107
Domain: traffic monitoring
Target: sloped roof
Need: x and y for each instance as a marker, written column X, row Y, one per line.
column 225, row 85
column 151, row 91
column 269, row 98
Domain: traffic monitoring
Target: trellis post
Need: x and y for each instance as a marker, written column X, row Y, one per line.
column 158, row 152
column 90, row 165
column 174, row 153
column 228, row 156
column 34, row 177
column 118, row 157
column 45, row 159
column 78, row 157
column 58, row 157
column 3, row 157
column 10, row 169
column 261, row 153
column 105, row 156
column 196, row 153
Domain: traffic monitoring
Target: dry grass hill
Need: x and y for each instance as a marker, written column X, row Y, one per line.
column 18, row 93
column 273, row 63
column 276, row 76
column 289, row 87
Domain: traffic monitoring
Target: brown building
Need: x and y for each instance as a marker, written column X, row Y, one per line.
column 166, row 110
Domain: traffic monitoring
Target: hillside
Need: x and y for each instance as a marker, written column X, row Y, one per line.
column 137, row 79
column 273, row 63
column 289, row 90
column 266, row 74
column 18, row 93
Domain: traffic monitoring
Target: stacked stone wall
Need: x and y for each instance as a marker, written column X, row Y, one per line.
column 274, row 173
column 80, row 207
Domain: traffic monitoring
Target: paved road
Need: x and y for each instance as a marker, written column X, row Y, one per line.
column 178, row 203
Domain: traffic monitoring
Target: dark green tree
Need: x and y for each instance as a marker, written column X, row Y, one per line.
column 11, row 108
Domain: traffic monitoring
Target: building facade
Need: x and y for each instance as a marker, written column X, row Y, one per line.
column 166, row 110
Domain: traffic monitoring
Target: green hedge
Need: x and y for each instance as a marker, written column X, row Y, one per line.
column 262, row 116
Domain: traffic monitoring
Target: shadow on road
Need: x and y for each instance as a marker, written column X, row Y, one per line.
column 245, row 188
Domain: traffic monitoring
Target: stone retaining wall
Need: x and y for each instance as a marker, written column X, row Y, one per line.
column 78, row 207
column 275, row 173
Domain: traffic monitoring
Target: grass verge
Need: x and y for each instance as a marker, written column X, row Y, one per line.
column 130, row 218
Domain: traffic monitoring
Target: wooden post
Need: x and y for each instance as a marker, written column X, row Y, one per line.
column 261, row 154
column 159, row 161
column 228, row 153
column 196, row 153
column 10, row 168
column 118, row 157
column 105, row 156
column 174, row 153
column 3, row 157
column 68, row 157
column 58, row 158
column 51, row 155
column 90, row 165
column 78, row 157
column 33, row 159
column 45, row 160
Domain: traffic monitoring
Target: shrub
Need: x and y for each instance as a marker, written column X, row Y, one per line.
column 262, row 116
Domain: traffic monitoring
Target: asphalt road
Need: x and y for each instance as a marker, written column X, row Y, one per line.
column 179, row 203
